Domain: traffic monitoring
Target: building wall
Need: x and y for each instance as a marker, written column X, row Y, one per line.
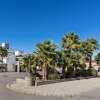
column 94, row 65
column 11, row 62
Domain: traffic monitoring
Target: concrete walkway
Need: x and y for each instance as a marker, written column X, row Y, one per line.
column 6, row 94
column 91, row 95
column 63, row 89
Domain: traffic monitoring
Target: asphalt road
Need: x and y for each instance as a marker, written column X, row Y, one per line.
column 6, row 94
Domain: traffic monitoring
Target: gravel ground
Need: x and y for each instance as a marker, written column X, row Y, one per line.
column 70, row 88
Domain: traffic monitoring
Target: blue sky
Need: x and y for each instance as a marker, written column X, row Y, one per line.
column 24, row 23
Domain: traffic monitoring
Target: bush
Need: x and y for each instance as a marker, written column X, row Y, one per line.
column 70, row 72
column 92, row 72
column 53, row 74
column 80, row 72
column 22, row 68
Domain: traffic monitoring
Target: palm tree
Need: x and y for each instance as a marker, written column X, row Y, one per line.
column 25, row 63
column 90, row 48
column 69, row 40
column 3, row 53
column 97, row 58
column 71, row 47
column 45, row 52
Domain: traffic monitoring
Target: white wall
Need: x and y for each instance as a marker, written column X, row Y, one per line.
column 11, row 61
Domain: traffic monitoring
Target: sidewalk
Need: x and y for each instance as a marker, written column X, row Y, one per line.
column 70, row 88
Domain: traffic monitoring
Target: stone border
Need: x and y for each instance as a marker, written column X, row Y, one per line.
column 63, row 80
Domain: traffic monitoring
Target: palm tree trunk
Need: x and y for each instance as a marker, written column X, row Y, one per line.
column 45, row 72
column 90, row 61
column 46, row 77
column 63, row 71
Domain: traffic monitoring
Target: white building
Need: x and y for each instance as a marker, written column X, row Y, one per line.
column 10, row 61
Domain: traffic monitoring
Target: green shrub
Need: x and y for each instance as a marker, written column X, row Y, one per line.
column 70, row 72
column 82, row 73
column 54, row 76
column 92, row 72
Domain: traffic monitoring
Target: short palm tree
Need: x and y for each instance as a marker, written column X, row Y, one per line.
column 26, row 63
column 3, row 53
column 45, row 52
column 71, row 47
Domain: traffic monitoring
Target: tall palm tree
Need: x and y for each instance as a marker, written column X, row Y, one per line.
column 45, row 51
column 69, row 40
column 71, row 46
column 90, row 48
column 97, row 58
